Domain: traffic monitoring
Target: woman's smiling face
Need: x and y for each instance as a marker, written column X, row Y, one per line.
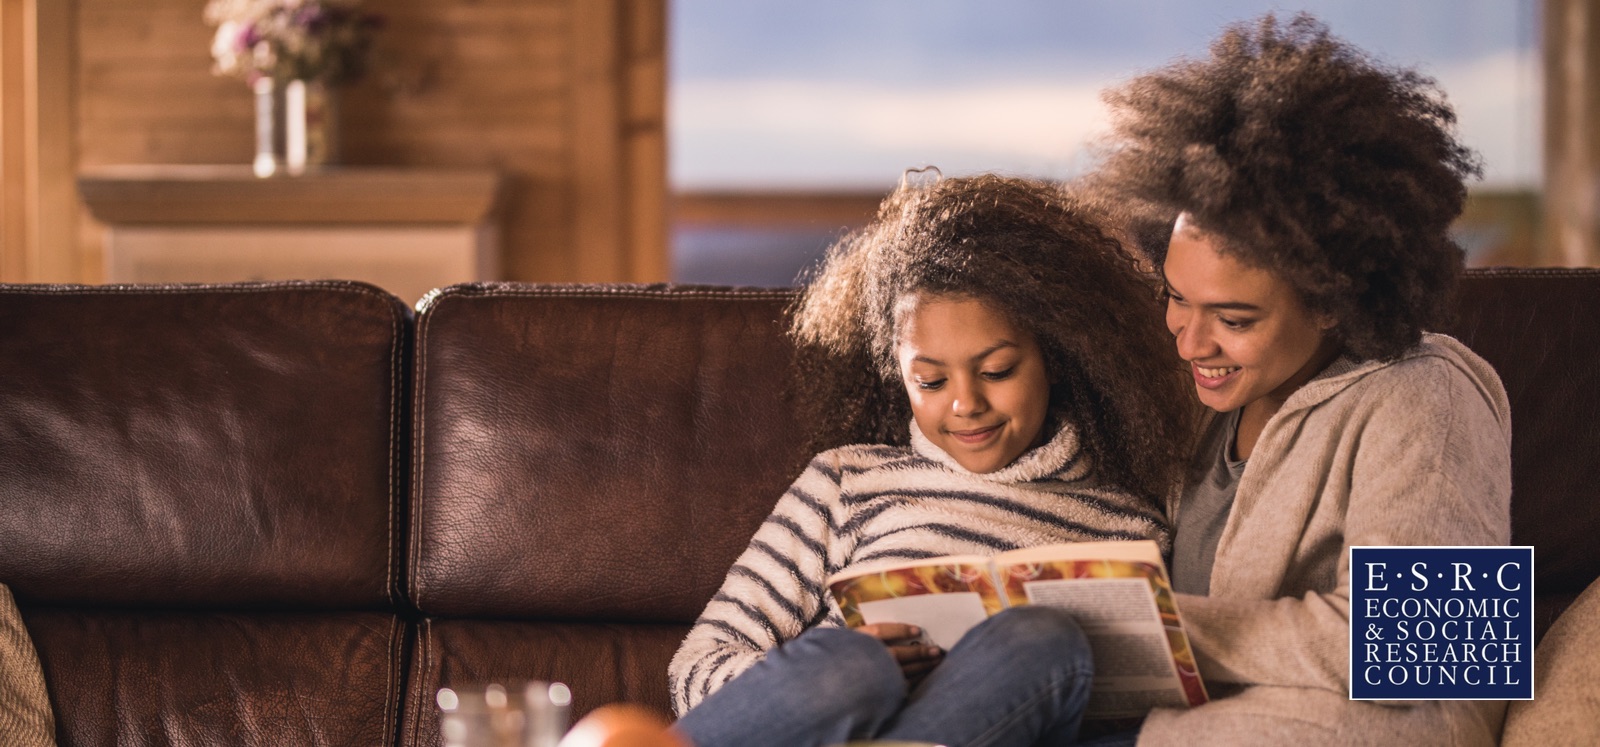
column 976, row 382
column 1247, row 337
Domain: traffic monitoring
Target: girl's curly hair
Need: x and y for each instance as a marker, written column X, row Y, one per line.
column 1034, row 254
column 1308, row 159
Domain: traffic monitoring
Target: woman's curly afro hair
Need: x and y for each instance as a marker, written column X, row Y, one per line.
column 1306, row 158
column 1038, row 257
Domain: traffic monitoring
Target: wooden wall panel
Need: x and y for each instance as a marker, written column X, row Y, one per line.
column 481, row 85
column 545, row 91
column 145, row 89
column 39, row 207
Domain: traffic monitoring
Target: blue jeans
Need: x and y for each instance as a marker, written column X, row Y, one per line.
column 1020, row 678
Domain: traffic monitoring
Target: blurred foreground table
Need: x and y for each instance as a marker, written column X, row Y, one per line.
column 406, row 229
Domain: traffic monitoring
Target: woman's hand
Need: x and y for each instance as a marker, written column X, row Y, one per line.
column 916, row 658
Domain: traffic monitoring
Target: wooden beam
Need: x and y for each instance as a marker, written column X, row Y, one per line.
column 39, row 208
column 55, row 207
column 646, row 141
column 619, row 145
column 1571, row 133
column 599, row 195
column 13, row 144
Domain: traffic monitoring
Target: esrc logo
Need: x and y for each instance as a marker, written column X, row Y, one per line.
column 1441, row 623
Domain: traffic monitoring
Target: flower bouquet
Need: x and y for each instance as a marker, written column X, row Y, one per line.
column 310, row 40
column 291, row 52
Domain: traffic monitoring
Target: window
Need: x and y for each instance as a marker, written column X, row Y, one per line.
column 787, row 121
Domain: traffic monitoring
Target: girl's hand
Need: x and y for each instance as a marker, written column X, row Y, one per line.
column 916, row 658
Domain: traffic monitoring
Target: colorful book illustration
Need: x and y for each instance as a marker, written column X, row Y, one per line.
column 1118, row 592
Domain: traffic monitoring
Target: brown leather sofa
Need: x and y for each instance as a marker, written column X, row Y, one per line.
column 287, row 513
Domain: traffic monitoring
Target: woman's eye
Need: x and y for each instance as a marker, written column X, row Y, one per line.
column 999, row 375
column 929, row 385
column 1235, row 324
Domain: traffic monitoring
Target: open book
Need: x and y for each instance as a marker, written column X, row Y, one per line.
column 1117, row 591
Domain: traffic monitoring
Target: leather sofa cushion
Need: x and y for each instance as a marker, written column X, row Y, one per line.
column 201, row 446
column 220, row 678
column 585, row 453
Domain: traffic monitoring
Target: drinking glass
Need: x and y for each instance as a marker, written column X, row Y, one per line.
column 528, row 715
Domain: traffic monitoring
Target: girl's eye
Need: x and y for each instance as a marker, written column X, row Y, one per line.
column 999, row 375
column 1235, row 324
column 929, row 385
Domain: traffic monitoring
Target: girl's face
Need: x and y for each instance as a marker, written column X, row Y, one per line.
column 1248, row 339
column 977, row 383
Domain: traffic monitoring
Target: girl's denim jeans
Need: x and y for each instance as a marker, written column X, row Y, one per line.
column 1020, row 678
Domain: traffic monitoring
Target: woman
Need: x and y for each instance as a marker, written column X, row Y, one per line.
column 1304, row 194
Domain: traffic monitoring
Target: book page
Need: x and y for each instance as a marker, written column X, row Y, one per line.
column 966, row 577
column 1119, row 603
column 944, row 617
column 1129, row 614
column 1133, row 666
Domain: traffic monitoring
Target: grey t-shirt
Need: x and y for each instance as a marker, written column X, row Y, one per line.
column 1205, row 507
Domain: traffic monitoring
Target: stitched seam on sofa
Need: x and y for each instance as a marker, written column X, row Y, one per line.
column 413, row 686
column 649, row 294
column 395, row 346
column 1512, row 272
column 602, row 291
column 393, row 693
column 418, row 452
column 425, row 657
column 42, row 289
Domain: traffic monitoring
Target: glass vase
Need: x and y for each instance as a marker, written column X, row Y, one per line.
column 297, row 127
column 269, row 136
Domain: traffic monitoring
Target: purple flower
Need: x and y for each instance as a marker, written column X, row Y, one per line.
column 310, row 17
column 312, row 39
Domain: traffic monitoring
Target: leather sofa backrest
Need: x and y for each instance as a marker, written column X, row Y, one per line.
column 593, row 453
column 1540, row 329
column 210, row 446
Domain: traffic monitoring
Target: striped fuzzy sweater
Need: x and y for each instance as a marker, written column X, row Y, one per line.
column 858, row 504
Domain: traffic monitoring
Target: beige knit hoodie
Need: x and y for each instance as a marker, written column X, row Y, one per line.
column 25, row 719
column 1411, row 452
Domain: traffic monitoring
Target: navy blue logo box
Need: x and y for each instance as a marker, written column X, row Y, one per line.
column 1441, row 623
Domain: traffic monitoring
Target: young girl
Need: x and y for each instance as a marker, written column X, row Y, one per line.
column 1305, row 196
column 996, row 364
